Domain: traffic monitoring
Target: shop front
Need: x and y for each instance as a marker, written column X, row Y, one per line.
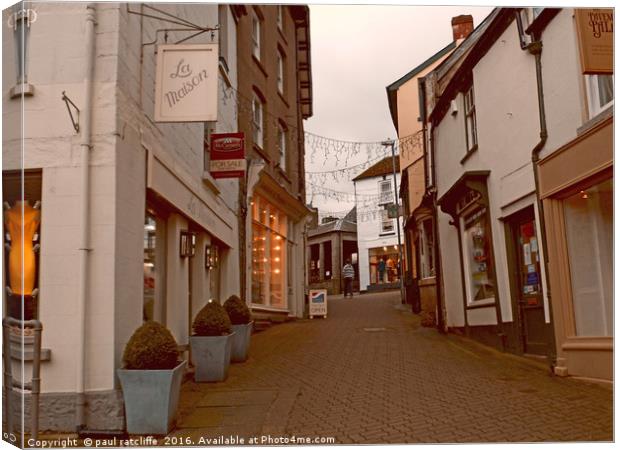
column 383, row 264
column 276, row 250
column 576, row 185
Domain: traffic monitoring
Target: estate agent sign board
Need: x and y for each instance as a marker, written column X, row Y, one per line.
column 595, row 29
column 186, row 83
column 227, row 155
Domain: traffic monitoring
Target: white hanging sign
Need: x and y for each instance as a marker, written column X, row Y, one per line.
column 186, row 83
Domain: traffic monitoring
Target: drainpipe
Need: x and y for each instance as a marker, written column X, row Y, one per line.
column 535, row 48
column 86, row 147
column 438, row 270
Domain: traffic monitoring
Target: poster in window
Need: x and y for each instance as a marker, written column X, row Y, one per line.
column 479, row 261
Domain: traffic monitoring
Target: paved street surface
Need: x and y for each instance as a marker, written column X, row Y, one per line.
column 370, row 374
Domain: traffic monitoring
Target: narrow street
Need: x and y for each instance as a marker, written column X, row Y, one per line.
column 369, row 373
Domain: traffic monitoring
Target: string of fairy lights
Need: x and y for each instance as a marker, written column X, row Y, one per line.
column 333, row 162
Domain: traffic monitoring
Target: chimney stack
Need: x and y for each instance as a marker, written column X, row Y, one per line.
column 461, row 27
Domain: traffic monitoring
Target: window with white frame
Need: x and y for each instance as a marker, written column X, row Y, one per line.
column 257, row 121
column 470, row 120
column 387, row 224
column 256, row 30
column 280, row 17
column 426, row 248
column 280, row 72
column 600, row 92
column 385, row 192
column 222, row 12
column 477, row 256
column 282, row 146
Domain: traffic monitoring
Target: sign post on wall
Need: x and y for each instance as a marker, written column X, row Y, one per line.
column 186, row 83
column 318, row 303
column 595, row 30
column 227, row 155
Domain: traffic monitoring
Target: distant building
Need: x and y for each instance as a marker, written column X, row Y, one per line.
column 376, row 232
column 330, row 245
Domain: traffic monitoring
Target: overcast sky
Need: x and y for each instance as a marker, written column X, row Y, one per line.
column 357, row 50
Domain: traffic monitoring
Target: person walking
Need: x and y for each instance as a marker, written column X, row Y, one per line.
column 348, row 272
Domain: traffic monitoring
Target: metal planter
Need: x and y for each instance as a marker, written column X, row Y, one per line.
column 151, row 398
column 211, row 356
column 241, row 342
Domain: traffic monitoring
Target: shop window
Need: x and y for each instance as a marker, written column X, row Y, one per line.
column 269, row 254
column 327, row 260
column 383, row 263
column 600, row 90
column 387, row 224
column 427, row 248
column 470, row 120
column 386, row 194
column 588, row 218
column 477, row 254
column 150, row 241
column 314, row 274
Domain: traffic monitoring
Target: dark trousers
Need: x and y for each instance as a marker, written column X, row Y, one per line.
column 348, row 286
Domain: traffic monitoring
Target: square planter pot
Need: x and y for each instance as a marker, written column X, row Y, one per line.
column 151, row 398
column 241, row 342
column 211, row 356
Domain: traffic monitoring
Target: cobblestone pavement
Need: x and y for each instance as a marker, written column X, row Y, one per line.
column 370, row 374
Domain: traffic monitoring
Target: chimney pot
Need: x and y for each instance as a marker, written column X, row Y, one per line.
column 462, row 26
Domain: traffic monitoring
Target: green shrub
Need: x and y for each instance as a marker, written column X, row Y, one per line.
column 151, row 347
column 211, row 320
column 237, row 310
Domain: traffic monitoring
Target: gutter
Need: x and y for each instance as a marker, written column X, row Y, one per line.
column 86, row 147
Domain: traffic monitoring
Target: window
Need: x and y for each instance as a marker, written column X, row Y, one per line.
column 280, row 18
column 426, row 248
column 478, row 264
column 470, row 120
column 209, row 130
column 588, row 218
column 257, row 121
column 256, row 25
column 222, row 12
column 282, row 146
column 387, row 224
column 154, row 248
column 385, row 192
column 600, row 92
column 269, row 254
column 21, row 19
column 280, row 79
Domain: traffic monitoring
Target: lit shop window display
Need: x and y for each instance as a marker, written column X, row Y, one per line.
column 588, row 219
column 269, row 253
column 479, row 277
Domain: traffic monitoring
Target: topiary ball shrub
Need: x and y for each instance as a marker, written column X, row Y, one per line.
column 237, row 310
column 151, row 347
column 211, row 320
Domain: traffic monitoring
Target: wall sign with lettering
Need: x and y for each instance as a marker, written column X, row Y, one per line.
column 595, row 29
column 186, row 83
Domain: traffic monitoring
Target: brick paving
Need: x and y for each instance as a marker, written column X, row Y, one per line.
column 369, row 373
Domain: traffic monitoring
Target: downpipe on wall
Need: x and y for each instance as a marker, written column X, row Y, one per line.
column 86, row 147
column 535, row 48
